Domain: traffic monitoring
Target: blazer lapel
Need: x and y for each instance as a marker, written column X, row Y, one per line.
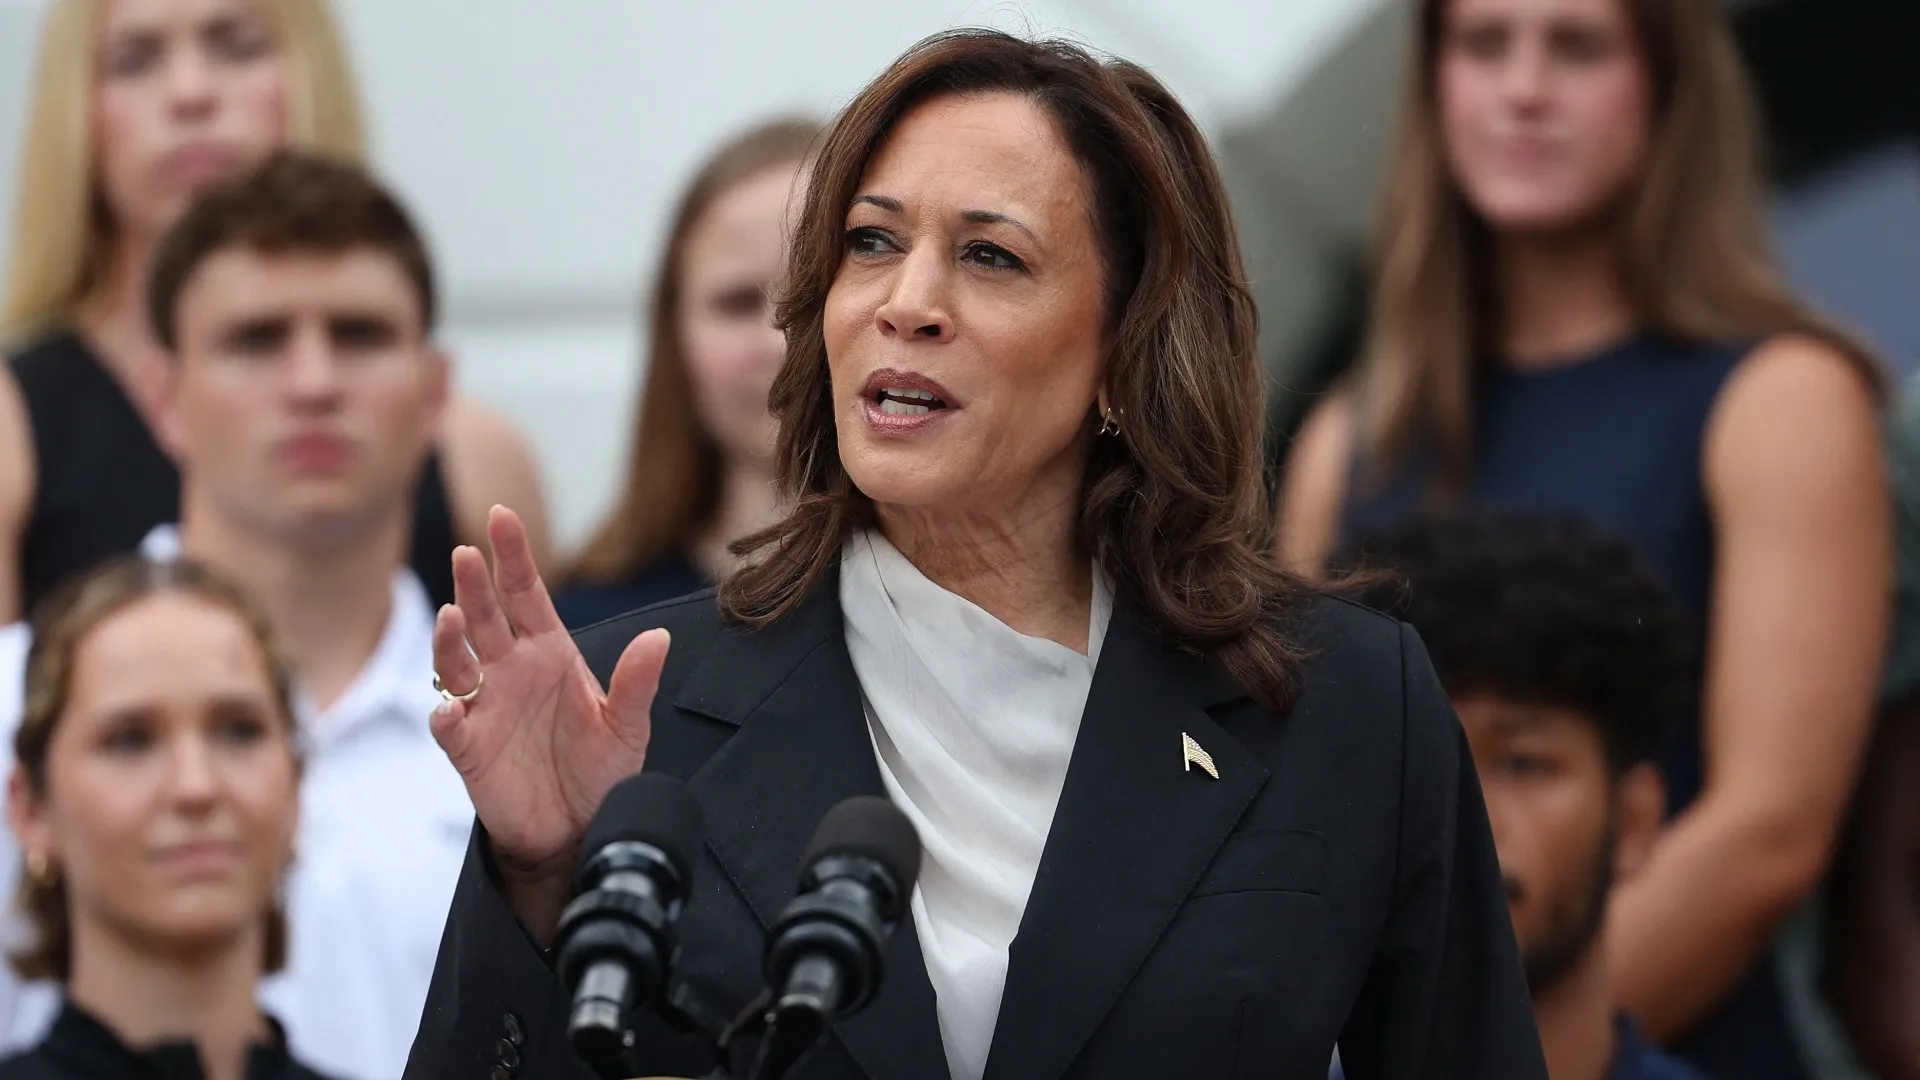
column 802, row 747
column 1135, row 829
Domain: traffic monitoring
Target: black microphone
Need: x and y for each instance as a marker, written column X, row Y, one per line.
column 828, row 948
column 616, row 944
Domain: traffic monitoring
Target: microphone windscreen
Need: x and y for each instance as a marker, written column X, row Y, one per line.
column 872, row 826
column 650, row 808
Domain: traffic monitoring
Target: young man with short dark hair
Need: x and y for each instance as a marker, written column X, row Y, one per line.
column 1567, row 663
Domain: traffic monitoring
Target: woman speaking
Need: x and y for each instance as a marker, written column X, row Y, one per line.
column 1022, row 579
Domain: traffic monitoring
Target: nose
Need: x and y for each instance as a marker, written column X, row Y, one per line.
column 312, row 369
column 189, row 82
column 916, row 306
column 1524, row 75
column 195, row 780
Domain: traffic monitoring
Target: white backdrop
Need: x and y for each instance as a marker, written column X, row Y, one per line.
column 542, row 142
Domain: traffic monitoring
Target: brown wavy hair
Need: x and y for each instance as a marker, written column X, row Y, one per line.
column 1690, row 232
column 673, row 470
column 1175, row 508
column 61, row 623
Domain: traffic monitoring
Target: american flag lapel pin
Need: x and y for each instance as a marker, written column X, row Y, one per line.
column 1192, row 755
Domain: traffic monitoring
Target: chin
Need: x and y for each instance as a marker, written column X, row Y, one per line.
column 1535, row 211
column 897, row 477
column 203, row 918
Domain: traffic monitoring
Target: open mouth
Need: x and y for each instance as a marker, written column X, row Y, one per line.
column 900, row 401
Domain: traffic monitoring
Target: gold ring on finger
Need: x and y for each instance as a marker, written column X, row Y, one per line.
column 461, row 698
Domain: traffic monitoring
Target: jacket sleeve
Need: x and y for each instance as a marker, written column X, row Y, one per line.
column 494, row 1002
column 1445, row 998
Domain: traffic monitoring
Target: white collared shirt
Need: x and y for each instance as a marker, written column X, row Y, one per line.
column 384, row 822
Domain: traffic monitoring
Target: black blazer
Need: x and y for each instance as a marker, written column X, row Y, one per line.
column 1337, row 882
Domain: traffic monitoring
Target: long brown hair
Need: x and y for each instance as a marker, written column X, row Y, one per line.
column 60, row 625
column 1690, row 230
column 1176, row 506
column 673, row 470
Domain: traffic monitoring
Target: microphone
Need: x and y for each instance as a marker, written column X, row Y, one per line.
column 616, row 943
column 828, row 947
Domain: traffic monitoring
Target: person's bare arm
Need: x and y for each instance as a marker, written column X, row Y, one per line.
column 1802, row 582
column 488, row 463
column 1313, row 492
column 17, row 468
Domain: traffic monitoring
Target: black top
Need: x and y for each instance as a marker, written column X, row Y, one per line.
column 1617, row 439
column 80, row 1047
column 588, row 602
column 103, row 482
column 1336, row 883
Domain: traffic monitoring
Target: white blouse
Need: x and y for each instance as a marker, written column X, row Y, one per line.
column 973, row 724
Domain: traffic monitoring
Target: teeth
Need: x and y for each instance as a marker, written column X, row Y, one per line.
column 901, row 408
column 916, row 395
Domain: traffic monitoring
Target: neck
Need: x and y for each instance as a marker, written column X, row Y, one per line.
column 1561, row 297
column 1576, row 1017
column 327, row 599
column 1025, row 569
column 206, row 996
column 116, row 320
column 749, row 501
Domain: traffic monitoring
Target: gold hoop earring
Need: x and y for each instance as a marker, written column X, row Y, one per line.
column 1110, row 425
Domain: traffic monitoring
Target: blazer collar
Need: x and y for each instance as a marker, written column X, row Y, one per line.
column 802, row 747
column 1134, row 830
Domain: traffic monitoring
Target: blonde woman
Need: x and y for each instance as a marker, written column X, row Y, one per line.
column 137, row 105
column 156, row 793
column 1574, row 310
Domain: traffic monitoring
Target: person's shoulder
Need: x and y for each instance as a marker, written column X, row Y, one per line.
column 693, row 621
column 27, row 1065
column 43, row 355
column 1364, row 677
column 1338, row 634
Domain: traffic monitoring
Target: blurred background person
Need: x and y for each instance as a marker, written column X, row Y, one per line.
column 296, row 303
column 700, row 473
column 1568, row 663
column 1574, row 309
column 137, row 104
column 1871, row 921
column 156, row 793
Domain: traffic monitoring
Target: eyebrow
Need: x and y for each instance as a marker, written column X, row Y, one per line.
column 976, row 217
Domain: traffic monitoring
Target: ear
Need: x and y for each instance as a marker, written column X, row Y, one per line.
column 1640, row 805
column 169, row 428
column 26, row 813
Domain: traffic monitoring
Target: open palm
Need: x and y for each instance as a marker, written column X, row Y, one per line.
column 541, row 743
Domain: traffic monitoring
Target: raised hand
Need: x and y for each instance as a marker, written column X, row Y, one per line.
column 536, row 739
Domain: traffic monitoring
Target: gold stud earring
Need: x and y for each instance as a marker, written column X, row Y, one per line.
column 1110, row 425
column 38, row 870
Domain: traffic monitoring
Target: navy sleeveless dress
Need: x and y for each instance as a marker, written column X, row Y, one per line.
column 1615, row 438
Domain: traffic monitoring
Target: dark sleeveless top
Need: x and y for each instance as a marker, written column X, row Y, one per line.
column 103, row 481
column 1616, row 439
